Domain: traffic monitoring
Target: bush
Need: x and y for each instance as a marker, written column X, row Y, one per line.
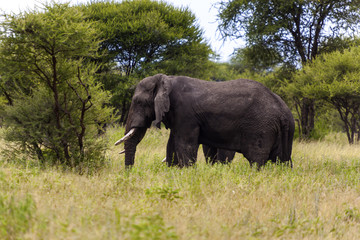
column 57, row 107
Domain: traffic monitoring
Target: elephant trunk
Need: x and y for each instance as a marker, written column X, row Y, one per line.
column 130, row 145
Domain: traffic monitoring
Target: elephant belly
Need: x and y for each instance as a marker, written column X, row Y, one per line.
column 224, row 140
column 239, row 139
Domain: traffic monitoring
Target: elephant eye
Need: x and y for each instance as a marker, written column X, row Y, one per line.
column 137, row 99
column 142, row 101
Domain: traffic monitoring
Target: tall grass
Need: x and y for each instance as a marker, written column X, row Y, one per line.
column 318, row 199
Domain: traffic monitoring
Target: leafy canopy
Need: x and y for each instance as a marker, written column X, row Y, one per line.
column 143, row 37
column 139, row 34
column 285, row 33
column 334, row 77
column 56, row 103
column 294, row 29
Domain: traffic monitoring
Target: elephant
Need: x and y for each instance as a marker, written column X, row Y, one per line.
column 239, row 115
column 213, row 155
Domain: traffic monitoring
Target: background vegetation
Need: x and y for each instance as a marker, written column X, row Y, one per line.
column 288, row 33
column 55, row 104
column 130, row 40
column 142, row 38
column 66, row 72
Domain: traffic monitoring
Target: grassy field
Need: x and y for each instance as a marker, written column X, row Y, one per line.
column 318, row 199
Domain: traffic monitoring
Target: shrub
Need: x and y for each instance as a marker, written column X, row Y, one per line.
column 57, row 107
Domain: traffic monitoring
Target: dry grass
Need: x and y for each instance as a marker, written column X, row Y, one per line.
column 318, row 199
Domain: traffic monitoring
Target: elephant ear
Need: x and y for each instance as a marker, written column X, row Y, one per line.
column 162, row 100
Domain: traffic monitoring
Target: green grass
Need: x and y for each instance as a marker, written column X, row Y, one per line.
column 318, row 199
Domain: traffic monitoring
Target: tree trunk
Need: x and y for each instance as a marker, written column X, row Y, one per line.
column 124, row 111
column 307, row 117
column 39, row 154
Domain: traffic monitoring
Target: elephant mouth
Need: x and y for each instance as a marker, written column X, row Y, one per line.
column 131, row 139
column 126, row 137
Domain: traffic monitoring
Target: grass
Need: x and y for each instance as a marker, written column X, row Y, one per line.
column 318, row 199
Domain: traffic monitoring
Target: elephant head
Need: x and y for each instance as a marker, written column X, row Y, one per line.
column 150, row 102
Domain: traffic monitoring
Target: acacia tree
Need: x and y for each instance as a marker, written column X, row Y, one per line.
column 143, row 37
column 290, row 30
column 56, row 103
column 334, row 77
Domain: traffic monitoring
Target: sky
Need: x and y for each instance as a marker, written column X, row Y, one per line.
column 204, row 10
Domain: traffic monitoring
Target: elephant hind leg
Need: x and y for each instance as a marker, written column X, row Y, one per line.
column 274, row 157
column 257, row 163
column 259, row 158
column 210, row 154
column 225, row 156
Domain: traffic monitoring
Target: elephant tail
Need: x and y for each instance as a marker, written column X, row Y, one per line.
column 287, row 135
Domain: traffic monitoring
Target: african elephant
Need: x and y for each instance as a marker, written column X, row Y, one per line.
column 239, row 115
column 213, row 155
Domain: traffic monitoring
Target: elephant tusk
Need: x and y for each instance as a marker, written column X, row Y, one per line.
column 126, row 137
column 164, row 160
column 123, row 151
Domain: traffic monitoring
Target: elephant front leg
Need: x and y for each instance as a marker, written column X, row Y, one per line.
column 186, row 148
column 171, row 157
column 258, row 156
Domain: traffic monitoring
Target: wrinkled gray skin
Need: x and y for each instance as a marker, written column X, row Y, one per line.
column 214, row 155
column 239, row 115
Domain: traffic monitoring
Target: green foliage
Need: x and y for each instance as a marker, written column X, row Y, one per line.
column 15, row 216
column 352, row 214
column 256, row 58
column 223, row 72
column 150, row 227
column 327, row 121
column 292, row 30
column 334, row 78
column 339, row 43
column 276, row 79
column 189, row 59
column 287, row 32
column 57, row 105
column 144, row 37
column 138, row 35
column 167, row 193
